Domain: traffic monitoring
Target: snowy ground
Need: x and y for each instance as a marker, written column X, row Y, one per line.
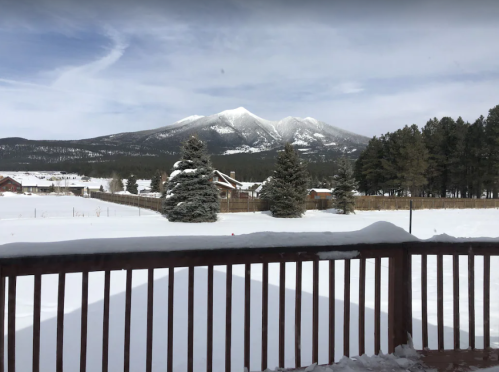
column 58, row 225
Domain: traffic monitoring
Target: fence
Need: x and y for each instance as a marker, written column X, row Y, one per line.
column 231, row 205
column 369, row 203
column 362, row 203
column 400, row 296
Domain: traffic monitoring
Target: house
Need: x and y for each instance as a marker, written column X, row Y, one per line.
column 320, row 194
column 228, row 186
column 10, row 185
column 86, row 179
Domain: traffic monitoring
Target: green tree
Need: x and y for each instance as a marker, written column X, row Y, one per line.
column 156, row 182
column 287, row 190
column 191, row 196
column 51, row 188
column 369, row 171
column 101, row 188
column 492, row 135
column 131, row 185
column 344, row 187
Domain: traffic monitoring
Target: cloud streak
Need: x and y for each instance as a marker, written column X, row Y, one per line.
column 115, row 67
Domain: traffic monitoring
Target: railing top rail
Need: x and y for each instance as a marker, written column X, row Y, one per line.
column 75, row 263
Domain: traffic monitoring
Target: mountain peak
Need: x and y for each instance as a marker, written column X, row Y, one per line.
column 235, row 112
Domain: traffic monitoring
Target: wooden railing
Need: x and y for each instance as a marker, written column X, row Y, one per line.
column 400, row 296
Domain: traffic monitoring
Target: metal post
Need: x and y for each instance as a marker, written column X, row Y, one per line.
column 410, row 217
column 73, row 211
column 35, row 212
column 108, row 211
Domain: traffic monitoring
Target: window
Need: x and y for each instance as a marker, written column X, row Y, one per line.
column 317, row 197
column 329, row 197
column 215, row 178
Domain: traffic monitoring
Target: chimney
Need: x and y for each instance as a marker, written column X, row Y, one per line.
column 233, row 175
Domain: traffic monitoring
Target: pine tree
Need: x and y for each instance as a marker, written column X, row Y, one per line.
column 51, row 188
column 190, row 195
column 101, row 189
column 345, row 185
column 287, row 190
column 156, row 182
column 492, row 134
column 131, row 185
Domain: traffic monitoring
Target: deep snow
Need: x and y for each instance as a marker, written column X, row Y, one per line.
column 426, row 223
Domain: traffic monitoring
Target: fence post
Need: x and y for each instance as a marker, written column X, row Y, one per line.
column 410, row 217
column 399, row 299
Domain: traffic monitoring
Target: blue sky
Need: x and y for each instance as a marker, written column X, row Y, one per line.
column 71, row 70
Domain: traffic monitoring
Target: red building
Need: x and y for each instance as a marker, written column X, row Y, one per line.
column 10, row 185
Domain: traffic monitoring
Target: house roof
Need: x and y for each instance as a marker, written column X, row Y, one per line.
column 321, row 190
column 4, row 179
column 225, row 184
column 226, row 181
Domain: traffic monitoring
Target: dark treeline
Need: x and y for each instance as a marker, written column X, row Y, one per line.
column 248, row 167
column 446, row 158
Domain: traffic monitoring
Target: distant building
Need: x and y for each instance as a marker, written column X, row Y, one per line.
column 228, row 185
column 320, row 194
column 8, row 184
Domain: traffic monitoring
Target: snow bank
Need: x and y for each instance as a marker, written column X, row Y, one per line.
column 379, row 232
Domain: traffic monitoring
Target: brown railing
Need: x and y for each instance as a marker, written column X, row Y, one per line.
column 400, row 296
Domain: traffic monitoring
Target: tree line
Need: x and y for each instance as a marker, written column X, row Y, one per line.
column 446, row 158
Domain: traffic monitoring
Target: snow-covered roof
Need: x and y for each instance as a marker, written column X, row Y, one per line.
column 225, row 184
column 321, row 190
column 226, row 180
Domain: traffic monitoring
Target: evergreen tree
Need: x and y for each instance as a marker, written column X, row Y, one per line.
column 51, row 188
column 131, row 185
column 190, row 195
column 344, row 186
column 156, row 182
column 287, row 190
column 492, row 135
column 101, row 188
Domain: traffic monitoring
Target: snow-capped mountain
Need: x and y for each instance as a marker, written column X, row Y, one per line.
column 238, row 130
column 228, row 132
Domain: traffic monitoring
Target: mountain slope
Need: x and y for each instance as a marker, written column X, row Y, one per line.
column 226, row 133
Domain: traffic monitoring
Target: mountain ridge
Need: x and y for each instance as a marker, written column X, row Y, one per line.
column 226, row 133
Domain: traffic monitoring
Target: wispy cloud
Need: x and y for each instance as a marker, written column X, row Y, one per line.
column 74, row 70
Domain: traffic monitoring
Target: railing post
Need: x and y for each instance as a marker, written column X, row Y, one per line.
column 399, row 299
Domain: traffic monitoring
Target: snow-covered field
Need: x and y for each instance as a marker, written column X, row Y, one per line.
column 127, row 223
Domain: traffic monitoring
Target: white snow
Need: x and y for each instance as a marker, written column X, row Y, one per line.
column 245, row 149
column 176, row 172
column 320, row 190
column 222, row 129
column 189, row 119
column 300, row 142
column 318, row 135
column 250, row 229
